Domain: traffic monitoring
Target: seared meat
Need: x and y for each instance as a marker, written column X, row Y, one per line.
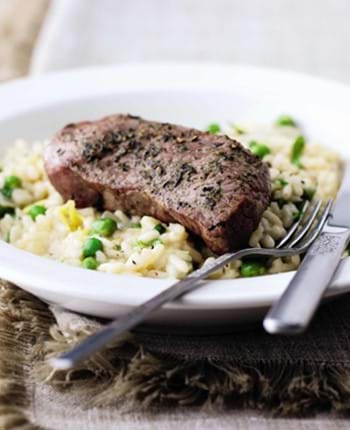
column 208, row 183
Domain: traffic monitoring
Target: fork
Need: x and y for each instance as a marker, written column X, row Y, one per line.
column 298, row 239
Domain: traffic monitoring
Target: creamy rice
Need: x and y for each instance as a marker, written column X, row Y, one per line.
column 136, row 247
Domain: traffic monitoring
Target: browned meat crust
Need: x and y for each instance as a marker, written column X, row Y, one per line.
column 208, row 183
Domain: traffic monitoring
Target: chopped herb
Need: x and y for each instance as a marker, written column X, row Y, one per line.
column 238, row 129
column 214, row 128
column 135, row 225
column 157, row 242
column 118, row 247
column 7, row 237
column 286, row 121
column 183, row 172
column 6, row 210
column 7, row 192
column 309, row 193
column 282, row 182
column 152, row 243
column 251, row 268
column 297, row 150
column 259, row 149
column 125, row 167
column 160, row 228
column 296, row 215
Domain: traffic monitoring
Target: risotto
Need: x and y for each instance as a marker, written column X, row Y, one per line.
column 36, row 219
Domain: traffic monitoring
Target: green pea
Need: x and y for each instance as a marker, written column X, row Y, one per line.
column 6, row 210
column 36, row 210
column 285, row 121
column 297, row 150
column 252, row 268
column 91, row 246
column 11, row 182
column 104, row 226
column 259, row 149
column 90, row 263
column 214, row 128
column 160, row 228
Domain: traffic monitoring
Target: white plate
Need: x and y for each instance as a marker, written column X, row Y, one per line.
column 189, row 94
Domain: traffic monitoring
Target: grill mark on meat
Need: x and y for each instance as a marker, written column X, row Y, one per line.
column 209, row 183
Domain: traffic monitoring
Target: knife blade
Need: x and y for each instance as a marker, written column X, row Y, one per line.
column 292, row 313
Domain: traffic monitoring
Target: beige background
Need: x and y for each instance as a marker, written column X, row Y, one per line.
column 305, row 35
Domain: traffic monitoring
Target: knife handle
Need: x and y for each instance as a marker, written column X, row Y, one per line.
column 292, row 313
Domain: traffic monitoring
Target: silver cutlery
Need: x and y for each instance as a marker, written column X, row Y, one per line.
column 292, row 313
column 299, row 237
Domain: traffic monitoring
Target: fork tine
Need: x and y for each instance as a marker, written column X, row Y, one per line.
column 307, row 226
column 319, row 226
column 294, row 226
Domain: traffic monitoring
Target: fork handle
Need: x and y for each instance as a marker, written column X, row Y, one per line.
column 292, row 313
column 138, row 314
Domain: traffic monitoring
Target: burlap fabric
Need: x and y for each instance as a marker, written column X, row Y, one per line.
column 155, row 381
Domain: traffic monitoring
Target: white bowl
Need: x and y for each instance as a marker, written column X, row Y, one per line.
column 188, row 94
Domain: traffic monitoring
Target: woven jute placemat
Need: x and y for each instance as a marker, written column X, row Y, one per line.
column 145, row 374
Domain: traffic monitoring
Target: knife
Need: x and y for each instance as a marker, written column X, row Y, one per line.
column 292, row 313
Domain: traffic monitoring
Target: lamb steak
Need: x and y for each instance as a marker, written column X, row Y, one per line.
column 209, row 183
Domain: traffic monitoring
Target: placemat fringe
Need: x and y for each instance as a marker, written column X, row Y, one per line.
column 131, row 376
column 142, row 379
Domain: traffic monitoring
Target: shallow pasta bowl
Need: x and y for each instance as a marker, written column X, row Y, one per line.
column 188, row 94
